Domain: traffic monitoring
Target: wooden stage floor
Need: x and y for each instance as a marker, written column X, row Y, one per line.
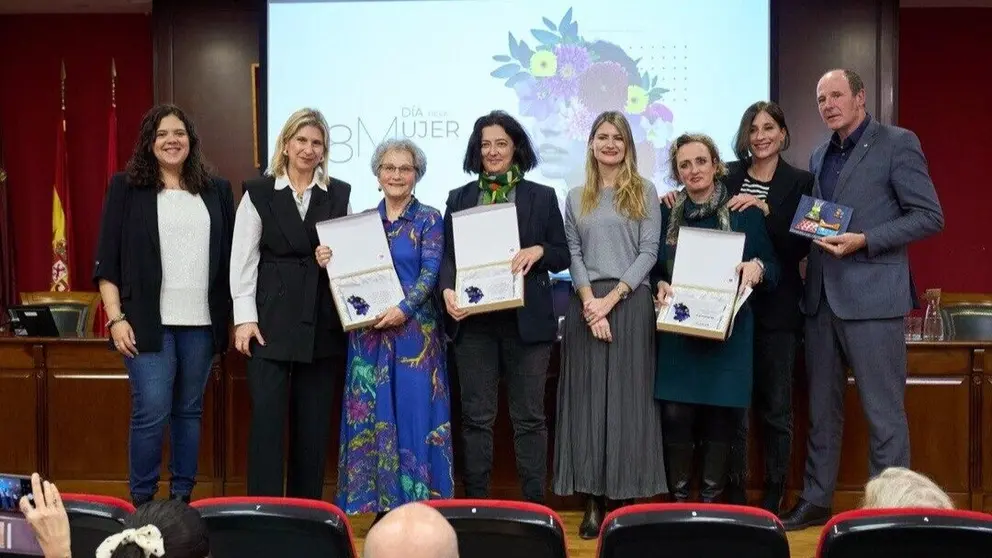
column 802, row 544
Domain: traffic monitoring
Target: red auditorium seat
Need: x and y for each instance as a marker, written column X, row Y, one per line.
column 265, row 527
column 907, row 533
column 93, row 518
column 504, row 529
column 675, row 530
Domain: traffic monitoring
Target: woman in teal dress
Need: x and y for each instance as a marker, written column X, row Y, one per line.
column 395, row 418
column 704, row 385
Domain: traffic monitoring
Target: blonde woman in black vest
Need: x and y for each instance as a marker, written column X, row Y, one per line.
column 285, row 322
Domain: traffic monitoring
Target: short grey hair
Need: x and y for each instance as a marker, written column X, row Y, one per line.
column 898, row 487
column 419, row 159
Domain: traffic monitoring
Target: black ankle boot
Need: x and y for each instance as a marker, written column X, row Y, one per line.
column 679, row 459
column 593, row 518
column 772, row 499
column 715, row 456
column 139, row 499
column 183, row 497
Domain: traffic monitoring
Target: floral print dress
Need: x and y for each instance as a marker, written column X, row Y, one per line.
column 395, row 419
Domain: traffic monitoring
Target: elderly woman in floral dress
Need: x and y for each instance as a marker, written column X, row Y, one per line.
column 395, row 427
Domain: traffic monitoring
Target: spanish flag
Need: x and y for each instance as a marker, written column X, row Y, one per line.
column 61, row 221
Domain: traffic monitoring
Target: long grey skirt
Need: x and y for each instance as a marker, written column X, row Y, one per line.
column 608, row 429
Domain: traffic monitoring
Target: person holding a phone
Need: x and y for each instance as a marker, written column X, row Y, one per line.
column 43, row 509
column 151, row 530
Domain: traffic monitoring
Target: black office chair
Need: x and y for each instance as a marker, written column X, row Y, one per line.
column 74, row 312
column 677, row 530
column 266, row 527
column 93, row 518
column 504, row 529
column 907, row 533
column 967, row 321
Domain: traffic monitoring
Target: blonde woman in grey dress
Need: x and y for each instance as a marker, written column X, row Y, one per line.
column 608, row 436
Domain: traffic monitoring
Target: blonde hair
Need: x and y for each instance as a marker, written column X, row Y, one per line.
column 898, row 487
column 296, row 121
column 629, row 196
column 707, row 142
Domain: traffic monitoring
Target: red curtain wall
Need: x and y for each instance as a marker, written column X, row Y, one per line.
column 944, row 55
column 31, row 47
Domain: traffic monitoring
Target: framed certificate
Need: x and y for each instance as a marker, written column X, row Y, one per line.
column 705, row 284
column 486, row 240
column 363, row 279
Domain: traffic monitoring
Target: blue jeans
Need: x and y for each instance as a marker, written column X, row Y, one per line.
column 167, row 389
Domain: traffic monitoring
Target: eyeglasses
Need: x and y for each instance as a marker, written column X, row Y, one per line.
column 390, row 169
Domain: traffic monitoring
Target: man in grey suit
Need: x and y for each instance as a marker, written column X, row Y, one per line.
column 858, row 286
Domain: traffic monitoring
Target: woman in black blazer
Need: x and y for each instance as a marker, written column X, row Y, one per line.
column 285, row 320
column 161, row 267
column 521, row 339
column 761, row 178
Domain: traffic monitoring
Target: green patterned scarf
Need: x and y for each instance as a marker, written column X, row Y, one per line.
column 496, row 187
column 717, row 204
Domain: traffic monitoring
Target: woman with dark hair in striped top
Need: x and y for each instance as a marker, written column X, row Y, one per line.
column 761, row 178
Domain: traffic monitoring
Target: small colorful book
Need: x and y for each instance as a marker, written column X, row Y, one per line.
column 816, row 218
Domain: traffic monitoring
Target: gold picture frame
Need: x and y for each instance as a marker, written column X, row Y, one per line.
column 254, row 115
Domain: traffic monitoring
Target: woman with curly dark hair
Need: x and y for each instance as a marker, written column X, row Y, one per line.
column 161, row 267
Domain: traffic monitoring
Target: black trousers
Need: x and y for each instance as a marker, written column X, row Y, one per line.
column 771, row 403
column 302, row 393
column 488, row 347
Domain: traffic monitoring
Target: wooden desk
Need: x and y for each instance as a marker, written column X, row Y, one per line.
column 65, row 412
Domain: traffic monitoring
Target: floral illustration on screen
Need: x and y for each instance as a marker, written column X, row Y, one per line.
column 566, row 81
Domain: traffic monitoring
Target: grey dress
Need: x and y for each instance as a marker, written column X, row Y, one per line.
column 608, row 429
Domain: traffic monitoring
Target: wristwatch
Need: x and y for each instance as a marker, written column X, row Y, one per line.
column 622, row 291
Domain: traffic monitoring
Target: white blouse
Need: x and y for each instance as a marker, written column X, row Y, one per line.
column 184, row 236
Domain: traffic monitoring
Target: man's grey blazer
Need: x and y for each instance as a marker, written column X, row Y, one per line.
column 886, row 182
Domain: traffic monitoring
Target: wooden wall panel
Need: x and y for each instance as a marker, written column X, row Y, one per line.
column 938, row 443
column 820, row 35
column 203, row 56
column 19, row 451
column 88, row 410
column 984, row 418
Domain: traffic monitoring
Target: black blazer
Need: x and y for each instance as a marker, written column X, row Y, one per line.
column 128, row 255
column 778, row 308
column 540, row 222
column 296, row 315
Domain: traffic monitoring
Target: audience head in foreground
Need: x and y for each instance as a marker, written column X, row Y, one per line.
column 167, row 528
column 898, row 487
column 412, row 531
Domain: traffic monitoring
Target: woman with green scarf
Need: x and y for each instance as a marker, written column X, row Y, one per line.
column 513, row 344
column 703, row 385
